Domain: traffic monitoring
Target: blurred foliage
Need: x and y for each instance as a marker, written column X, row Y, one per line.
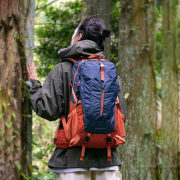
column 63, row 20
column 115, row 13
column 55, row 32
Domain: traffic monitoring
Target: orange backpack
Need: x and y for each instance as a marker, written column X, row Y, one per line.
column 75, row 132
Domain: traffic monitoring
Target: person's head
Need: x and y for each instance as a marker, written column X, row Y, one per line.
column 91, row 29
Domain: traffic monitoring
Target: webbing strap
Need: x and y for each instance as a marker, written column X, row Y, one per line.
column 119, row 139
column 109, row 147
column 102, row 71
column 83, row 151
column 117, row 103
column 109, row 152
column 74, row 96
column 86, row 140
column 117, row 100
column 79, row 102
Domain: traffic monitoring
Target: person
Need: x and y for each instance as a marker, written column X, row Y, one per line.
column 52, row 99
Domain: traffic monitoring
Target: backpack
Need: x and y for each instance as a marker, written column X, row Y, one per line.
column 95, row 119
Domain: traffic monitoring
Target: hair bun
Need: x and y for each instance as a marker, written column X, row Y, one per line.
column 106, row 33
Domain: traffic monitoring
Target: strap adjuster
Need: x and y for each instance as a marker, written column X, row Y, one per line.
column 102, row 65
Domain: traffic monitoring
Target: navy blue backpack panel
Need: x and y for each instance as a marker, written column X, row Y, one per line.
column 98, row 96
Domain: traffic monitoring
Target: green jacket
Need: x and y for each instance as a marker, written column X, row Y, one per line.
column 51, row 99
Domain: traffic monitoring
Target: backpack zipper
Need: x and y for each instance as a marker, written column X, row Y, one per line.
column 102, row 100
column 102, row 91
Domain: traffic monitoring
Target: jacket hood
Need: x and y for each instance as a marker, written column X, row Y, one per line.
column 81, row 48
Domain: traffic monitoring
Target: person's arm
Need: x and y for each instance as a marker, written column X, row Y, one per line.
column 47, row 99
column 121, row 97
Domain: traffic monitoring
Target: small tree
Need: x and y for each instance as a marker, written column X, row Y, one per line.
column 136, row 68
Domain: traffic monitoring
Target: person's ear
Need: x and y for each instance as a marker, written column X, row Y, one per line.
column 79, row 38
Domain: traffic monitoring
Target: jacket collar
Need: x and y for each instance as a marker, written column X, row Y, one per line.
column 81, row 48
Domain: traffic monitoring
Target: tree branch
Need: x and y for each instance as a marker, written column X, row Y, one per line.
column 42, row 7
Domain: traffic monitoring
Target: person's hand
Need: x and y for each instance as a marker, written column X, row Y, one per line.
column 31, row 71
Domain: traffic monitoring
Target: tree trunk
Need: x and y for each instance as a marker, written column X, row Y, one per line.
column 100, row 9
column 169, row 74
column 136, row 68
column 16, row 35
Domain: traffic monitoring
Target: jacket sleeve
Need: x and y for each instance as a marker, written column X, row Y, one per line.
column 47, row 99
column 121, row 97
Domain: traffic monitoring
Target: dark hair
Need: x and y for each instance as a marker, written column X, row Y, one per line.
column 95, row 30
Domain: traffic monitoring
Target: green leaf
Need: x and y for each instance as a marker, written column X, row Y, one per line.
column 16, row 132
column 25, row 177
column 27, row 95
column 22, row 80
column 15, row 33
column 44, row 162
column 50, row 67
column 9, row 125
column 2, row 146
column 30, row 168
column 24, row 36
column 2, row 133
column 14, row 116
column 11, row 139
column 1, row 115
column 5, row 107
column 34, row 143
column 17, row 146
column 18, row 166
column 36, row 168
column 27, row 116
column 126, row 95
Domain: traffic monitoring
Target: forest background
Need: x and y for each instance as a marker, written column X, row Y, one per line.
column 145, row 50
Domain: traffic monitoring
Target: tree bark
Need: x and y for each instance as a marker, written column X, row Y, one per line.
column 16, row 39
column 169, row 75
column 136, row 68
column 100, row 9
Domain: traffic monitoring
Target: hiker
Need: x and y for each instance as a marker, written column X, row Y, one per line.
column 52, row 101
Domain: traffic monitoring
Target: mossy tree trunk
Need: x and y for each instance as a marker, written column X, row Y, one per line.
column 100, row 9
column 136, row 68
column 169, row 152
column 16, row 42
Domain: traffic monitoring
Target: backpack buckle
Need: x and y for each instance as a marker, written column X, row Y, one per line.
column 109, row 140
column 86, row 139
